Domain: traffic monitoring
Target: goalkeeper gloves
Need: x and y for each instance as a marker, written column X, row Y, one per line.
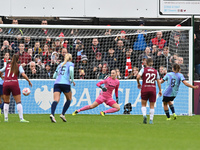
column 117, row 100
column 103, row 88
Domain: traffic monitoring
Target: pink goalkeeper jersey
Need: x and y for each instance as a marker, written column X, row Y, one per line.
column 110, row 84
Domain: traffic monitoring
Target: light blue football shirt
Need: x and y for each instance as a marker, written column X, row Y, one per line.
column 63, row 73
column 173, row 82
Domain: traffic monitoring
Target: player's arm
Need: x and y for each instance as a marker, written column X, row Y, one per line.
column 189, row 85
column 104, row 89
column 159, row 84
column 55, row 73
column 162, row 81
column 116, row 93
column 2, row 69
column 71, row 70
column 138, row 77
column 21, row 70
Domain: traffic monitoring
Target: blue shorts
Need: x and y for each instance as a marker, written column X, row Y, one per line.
column 1, row 89
column 65, row 88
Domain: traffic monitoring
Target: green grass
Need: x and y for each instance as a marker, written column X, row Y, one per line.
column 94, row 132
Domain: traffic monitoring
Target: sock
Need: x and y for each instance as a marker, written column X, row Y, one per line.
column 66, row 106
column 84, row 108
column 151, row 114
column 6, row 109
column 111, row 110
column 20, row 111
column 53, row 107
column 144, row 111
column 172, row 108
column 167, row 113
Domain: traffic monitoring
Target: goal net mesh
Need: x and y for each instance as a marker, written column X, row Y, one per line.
column 95, row 53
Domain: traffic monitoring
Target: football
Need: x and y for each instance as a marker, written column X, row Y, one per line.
column 26, row 91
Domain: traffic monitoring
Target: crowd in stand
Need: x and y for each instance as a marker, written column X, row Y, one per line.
column 41, row 50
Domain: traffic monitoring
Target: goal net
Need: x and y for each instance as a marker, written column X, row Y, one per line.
column 96, row 50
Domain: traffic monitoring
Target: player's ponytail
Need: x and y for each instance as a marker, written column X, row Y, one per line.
column 150, row 62
column 14, row 64
column 68, row 57
column 176, row 68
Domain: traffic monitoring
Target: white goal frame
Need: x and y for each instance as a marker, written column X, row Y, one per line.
column 190, row 29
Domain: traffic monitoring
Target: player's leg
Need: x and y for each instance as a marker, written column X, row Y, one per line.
column 144, row 111
column 56, row 96
column 1, row 104
column 165, row 105
column 95, row 104
column 6, row 107
column 66, row 105
column 19, row 107
column 112, row 103
column 171, row 106
column 151, row 112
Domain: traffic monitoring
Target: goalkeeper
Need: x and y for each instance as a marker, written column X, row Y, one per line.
column 105, row 96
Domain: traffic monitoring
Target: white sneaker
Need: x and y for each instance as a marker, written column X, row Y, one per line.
column 63, row 118
column 52, row 118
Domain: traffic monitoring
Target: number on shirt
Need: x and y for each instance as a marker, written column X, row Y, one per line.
column 150, row 77
column 9, row 72
column 173, row 82
column 62, row 70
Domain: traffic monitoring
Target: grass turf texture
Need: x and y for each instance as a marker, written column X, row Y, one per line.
column 94, row 132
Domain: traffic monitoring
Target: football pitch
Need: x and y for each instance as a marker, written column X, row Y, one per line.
column 94, row 132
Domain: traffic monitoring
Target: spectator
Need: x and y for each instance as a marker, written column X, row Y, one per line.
column 38, row 62
column 120, row 48
column 44, row 31
column 147, row 54
column 5, row 60
column 32, row 71
column 184, row 68
column 97, row 65
column 30, row 52
column 118, row 74
column 111, row 58
column 128, row 66
column 37, row 49
column 27, row 42
column 64, row 43
column 46, row 55
column 24, row 58
column 15, row 43
column 197, row 55
column 108, row 31
column 104, row 72
column 6, row 47
column 177, row 46
column 1, row 22
column 15, row 31
column 57, row 46
column 134, row 73
column 122, row 36
column 62, row 55
column 83, row 68
column 49, row 43
column 54, row 61
column 164, row 59
column 158, row 40
column 162, row 71
column 93, row 49
column 140, row 43
column 47, row 72
column 79, row 52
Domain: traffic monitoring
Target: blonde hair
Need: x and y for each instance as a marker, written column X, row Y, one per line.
column 68, row 57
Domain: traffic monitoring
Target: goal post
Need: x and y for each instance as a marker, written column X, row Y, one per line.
column 79, row 41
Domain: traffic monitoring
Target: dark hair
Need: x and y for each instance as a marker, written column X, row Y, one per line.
column 150, row 62
column 176, row 67
column 14, row 64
